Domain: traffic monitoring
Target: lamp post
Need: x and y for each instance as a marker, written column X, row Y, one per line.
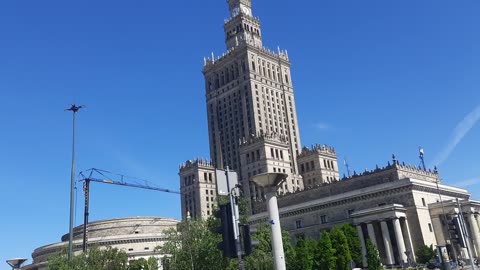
column 73, row 109
column 15, row 263
column 270, row 182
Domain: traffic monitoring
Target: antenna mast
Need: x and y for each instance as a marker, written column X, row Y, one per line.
column 346, row 165
column 422, row 161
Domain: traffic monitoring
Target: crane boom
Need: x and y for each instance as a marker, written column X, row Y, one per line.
column 120, row 183
column 107, row 180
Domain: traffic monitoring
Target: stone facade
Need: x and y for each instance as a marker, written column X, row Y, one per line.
column 253, row 129
column 267, row 153
column 249, row 93
column 318, row 165
column 137, row 236
column 394, row 206
column 197, row 188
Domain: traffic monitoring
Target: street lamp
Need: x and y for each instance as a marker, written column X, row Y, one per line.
column 269, row 182
column 15, row 263
column 73, row 109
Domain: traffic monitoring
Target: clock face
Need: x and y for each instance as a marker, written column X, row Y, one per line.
column 246, row 10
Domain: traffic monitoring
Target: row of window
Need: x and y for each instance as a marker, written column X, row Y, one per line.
column 269, row 71
column 307, row 166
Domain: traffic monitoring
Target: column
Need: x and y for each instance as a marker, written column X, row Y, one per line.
column 371, row 234
column 364, row 249
column 475, row 233
column 477, row 217
column 408, row 240
column 400, row 243
column 387, row 242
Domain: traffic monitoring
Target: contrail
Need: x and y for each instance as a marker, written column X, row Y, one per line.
column 459, row 132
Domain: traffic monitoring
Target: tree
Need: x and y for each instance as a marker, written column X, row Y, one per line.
column 425, row 254
column 142, row 264
column 262, row 258
column 354, row 244
column 108, row 259
column 342, row 254
column 304, row 254
column 193, row 244
column 373, row 259
column 324, row 258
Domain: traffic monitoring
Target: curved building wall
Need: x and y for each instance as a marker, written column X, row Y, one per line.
column 137, row 236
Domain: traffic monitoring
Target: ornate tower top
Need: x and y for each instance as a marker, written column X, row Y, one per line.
column 240, row 6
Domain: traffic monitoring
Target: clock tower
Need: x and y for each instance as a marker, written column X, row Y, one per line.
column 249, row 95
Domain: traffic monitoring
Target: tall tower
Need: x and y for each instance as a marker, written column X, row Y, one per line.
column 249, row 92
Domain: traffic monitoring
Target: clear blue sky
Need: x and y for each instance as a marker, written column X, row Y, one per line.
column 371, row 78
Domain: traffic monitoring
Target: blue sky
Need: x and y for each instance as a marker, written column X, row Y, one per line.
column 371, row 78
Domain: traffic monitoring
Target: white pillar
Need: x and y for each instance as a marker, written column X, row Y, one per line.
column 399, row 238
column 364, row 249
column 277, row 244
column 387, row 242
column 371, row 235
column 408, row 239
column 475, row 233
column 477, row 217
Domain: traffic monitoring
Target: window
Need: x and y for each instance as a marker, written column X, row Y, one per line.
column 423, row 202
column 430, row 227
column 349, row 212
column 298, row 224
column 323, row 219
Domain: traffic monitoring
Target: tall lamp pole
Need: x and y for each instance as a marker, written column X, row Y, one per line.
column 16, row 263
column 270, row 182
column 73, row 109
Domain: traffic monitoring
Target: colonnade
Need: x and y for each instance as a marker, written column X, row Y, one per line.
column 402, row 240
column 474, row 223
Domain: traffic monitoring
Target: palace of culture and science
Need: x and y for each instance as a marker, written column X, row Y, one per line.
column 253, row 129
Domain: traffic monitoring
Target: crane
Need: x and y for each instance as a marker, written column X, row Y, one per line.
column 103, row 178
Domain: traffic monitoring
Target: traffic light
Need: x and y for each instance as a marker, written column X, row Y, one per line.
column 227, row 246
column 248, row 243
column 455, row 231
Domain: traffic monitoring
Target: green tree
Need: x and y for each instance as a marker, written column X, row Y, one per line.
column 373, row 259
column 262, row 258
column 108, row 259
column 425, row 254
column 342, row 252
column 354, row 244
column 193, row 244
column 304, row 254
column 142, row 264
column 325, row 253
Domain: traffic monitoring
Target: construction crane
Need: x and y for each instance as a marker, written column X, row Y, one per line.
column 103, row 178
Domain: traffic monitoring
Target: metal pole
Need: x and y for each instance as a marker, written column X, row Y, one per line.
column 74, row 109
column 277, row 243
column 466, row 237
column 236, row 233
column 86, row 190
